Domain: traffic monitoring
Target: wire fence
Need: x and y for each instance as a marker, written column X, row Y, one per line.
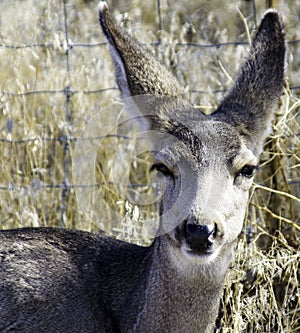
column 68, row 92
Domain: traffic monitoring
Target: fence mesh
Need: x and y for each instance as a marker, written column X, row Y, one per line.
column 68, row 93
column 56, row 74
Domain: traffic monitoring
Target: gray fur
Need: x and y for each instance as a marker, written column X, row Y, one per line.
column 64, row 281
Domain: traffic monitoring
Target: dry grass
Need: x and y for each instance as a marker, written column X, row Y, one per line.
column 262, row 289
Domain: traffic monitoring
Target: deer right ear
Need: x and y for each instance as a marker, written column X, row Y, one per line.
column 250, row 104
column 137, row 72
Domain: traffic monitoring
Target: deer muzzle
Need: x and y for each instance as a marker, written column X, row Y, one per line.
column 200, row 238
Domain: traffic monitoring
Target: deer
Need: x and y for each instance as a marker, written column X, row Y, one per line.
column 61, row 280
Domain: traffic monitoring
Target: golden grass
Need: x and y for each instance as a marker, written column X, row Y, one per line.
column 262, row 288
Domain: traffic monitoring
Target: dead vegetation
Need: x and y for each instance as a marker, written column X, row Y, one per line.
column 53, row 82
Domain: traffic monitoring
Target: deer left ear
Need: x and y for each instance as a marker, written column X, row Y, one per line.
column 250, row 104
column 137, row 71
column 149, row 90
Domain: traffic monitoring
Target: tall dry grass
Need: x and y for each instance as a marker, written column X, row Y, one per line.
column 39, row 133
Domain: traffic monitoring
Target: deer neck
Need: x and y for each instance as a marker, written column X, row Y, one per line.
column 173, row 296
column 182, row 302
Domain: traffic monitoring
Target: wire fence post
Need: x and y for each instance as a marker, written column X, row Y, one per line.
column 159, row 22
column 68, row 111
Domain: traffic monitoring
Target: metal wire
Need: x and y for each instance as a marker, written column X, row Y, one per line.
column 69, row 92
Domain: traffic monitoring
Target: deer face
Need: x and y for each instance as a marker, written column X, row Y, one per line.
column 205, row 174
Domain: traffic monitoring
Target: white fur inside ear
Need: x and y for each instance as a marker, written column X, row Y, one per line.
column 102, row 6
column 120, row 71
column 270, row 10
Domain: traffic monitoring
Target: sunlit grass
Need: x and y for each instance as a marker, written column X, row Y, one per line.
column 262, row 287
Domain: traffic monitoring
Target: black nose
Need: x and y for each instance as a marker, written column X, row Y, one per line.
column 200, row 238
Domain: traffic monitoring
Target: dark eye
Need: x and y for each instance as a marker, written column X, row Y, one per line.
column 161, row 168
column 247, row 171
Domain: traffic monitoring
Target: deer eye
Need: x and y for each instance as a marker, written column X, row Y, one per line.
column 162, row 169
column 247, row 171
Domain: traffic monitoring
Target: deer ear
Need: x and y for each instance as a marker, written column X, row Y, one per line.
column 137, row 72
column 150, row 92
column 250, row 104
